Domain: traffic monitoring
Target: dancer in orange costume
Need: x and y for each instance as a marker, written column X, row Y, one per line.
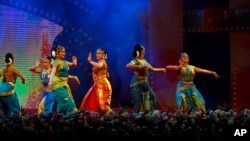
column 98, row 97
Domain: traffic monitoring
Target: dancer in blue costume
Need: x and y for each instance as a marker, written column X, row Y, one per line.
column 59, row 82
column 8, row 96
column 47, row 103
column 144, row 98
column 188, row 98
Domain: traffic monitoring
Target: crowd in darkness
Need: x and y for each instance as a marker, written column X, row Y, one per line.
column 215, row 125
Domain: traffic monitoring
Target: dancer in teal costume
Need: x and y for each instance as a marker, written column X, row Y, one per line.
column 144, row 98
column 188, row 98
column 8, row 97
column 59, row 82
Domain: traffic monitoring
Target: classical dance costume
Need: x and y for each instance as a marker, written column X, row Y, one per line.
column 61, row 89
column 98, row 97
column 188, row 98
column 143, row 97
column 8, row 97
column 47, row 103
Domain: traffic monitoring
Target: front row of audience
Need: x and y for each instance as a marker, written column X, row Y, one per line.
column 214, row 125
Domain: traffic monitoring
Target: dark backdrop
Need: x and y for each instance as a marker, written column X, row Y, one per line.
column 211, row 51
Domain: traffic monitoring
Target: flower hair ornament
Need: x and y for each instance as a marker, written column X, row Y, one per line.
column 137, row 53
column 53, row 53
column 9, row 58
column 8, row 61
column 106, row 56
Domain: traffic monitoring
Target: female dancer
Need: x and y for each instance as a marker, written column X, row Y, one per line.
column 58, row 82
column 8, row 96
column 98, row 97
column 144, row 98
column 188, row 98
column 48, row 100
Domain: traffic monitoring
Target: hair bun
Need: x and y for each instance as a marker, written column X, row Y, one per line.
column 8, row 58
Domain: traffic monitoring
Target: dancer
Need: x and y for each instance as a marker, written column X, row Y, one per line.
column 98, row 97
column 47, row 103
column 143, row 97
column 188, row 98
column 8, row 96
column 58, row 81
